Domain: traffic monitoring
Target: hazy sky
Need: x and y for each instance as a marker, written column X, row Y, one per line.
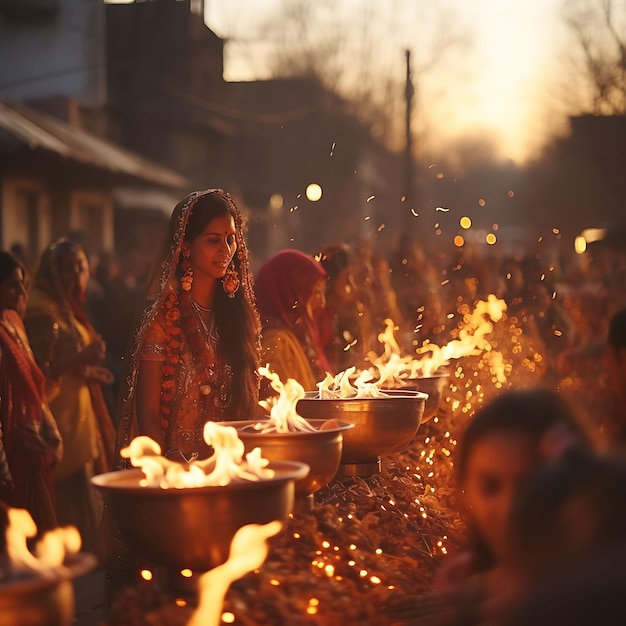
column 500, row 84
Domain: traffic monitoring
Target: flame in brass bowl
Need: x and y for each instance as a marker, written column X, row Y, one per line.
column 36, row 599
column 382, row 425
column 320, row 449
column 193, row 527
column 434, row 386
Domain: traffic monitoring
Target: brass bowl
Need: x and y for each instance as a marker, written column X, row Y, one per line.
column 33, row 599
column 382, row 426
column 193, row 527
column 434, row 386
column 319, row 449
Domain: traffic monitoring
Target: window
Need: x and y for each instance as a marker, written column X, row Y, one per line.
column 91, row 217
column 25, row 215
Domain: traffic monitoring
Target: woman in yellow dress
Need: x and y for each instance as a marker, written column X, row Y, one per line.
column 70, row 354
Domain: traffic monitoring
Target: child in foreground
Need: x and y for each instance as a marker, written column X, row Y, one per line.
column 503, row 445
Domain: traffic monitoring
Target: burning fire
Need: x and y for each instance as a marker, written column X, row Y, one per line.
column 472, row 338
column 392, row 369
column 283, row 415
column 248, row 551
column 340, row 386
column 223, row 466
column 347, row 565
column 50, row 551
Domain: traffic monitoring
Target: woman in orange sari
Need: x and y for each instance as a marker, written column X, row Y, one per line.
column 195, row 353
column 195, row 350
column 30, row 443
column 70, row 353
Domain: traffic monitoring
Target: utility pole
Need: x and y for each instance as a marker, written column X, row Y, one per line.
column 408, row 154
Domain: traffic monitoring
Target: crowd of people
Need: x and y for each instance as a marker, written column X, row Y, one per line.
column 88, row 360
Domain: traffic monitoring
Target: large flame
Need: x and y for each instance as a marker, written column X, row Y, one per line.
column 472, row 339
column 248, row 551
column 283, row 414
column 227, row 463
column 393, row 369
column 50, row 551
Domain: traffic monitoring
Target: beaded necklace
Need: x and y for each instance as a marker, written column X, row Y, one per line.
column 200, row 308
column 187, row 328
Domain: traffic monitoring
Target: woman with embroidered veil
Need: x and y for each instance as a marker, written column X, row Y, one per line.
column 70, row 354
column 195, row 352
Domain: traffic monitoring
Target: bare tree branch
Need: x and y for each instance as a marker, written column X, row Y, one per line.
column 598, row 30
column 348, row 52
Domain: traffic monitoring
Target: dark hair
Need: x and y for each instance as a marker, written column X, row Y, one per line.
column 529, row 412
column 47, row 277
column 206, row 209
column 546, row 532
column 617, row 330
column 8, row 263
column 236, row 319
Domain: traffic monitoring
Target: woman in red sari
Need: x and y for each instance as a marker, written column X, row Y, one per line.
column 30, row 443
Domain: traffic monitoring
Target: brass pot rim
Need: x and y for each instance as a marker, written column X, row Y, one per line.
column 127, row 481
column 240, row 424
column 390, row 394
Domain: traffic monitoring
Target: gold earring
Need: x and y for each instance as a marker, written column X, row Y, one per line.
column 231, row 281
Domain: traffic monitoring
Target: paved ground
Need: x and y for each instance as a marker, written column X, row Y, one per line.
column 89, row 599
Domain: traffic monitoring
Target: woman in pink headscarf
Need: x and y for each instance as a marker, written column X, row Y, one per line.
column 290, row 291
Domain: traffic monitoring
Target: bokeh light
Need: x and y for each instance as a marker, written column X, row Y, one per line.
column 276, row 201
column 580, row 244
column 313, row 192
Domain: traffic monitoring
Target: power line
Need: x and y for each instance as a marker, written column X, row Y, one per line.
column 50, row 75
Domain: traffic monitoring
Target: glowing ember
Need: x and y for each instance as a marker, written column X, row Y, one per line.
column 223, row 466
column 50, row 551
column 283, row 415
column 248, row 550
